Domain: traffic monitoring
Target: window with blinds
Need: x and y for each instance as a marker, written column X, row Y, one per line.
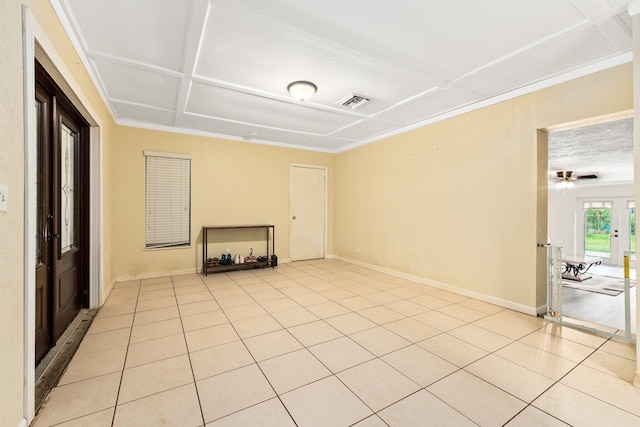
column 167, row 200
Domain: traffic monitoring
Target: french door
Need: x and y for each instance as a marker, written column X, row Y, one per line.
column 62, row 213
column 605, row 228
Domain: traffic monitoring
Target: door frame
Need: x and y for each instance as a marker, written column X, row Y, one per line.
column 325, row 169
column 35, row 43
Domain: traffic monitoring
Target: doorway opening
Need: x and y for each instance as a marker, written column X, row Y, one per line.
column 591, row 219
column 605, row 228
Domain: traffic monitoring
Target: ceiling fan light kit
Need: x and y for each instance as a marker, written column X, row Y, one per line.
column 564, row 180
column 302, row 90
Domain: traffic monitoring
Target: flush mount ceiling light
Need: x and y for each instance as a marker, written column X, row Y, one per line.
column 302, row 90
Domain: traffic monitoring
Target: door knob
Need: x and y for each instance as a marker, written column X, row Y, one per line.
column 293, row 217
column 49, row 236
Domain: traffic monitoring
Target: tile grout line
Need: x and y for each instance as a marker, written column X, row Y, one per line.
column 352, row 311
column 555, row 383
column 186, row 343
column 335, row 374
column 124, row 363
column 252, row 356
column 580, row 391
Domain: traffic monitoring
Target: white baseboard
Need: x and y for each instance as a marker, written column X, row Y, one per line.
column 542, row 309
column 106, row 293
column 532, row 311
column 156, row 274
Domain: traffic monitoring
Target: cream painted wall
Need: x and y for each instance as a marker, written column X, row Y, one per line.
column 453, row 202
column 562, row 211
column 11, row 222
column 232, row 182
column 12, row 173
column 456, row 202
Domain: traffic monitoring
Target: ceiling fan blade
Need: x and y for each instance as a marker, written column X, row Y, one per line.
column 587, row 176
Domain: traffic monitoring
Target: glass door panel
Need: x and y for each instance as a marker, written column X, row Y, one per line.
column 632, row 226
column 597, row 232
column 68, row 191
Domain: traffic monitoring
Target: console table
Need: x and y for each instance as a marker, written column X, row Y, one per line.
column 270, row 238
column 577, row 266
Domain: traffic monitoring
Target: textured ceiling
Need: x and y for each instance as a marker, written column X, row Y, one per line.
column 221, row 67
column 602, row 149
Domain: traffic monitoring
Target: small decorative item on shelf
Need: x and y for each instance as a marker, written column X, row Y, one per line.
column 250, row 258
column 226, row 259
column 262, row 258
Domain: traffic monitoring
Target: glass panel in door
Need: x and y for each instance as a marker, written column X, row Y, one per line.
column 67, row 189
column 597, row 232
column 632, row 226
column 40, row 215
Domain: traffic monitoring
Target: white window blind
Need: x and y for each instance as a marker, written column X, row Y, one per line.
column 167, row 200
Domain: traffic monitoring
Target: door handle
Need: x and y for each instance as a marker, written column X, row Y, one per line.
column 49, row 236
column 293, row 217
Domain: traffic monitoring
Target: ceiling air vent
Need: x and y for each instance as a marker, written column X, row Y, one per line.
column 354, row 101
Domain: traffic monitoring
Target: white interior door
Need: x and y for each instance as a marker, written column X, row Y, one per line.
column 308, row 212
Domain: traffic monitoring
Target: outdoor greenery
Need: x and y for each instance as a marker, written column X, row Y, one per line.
column 597, row 225
column 596, row 242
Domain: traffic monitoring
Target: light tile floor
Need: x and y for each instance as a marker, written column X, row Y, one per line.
column 327, row 343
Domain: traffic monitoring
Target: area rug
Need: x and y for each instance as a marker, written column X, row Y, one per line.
column 612, row 286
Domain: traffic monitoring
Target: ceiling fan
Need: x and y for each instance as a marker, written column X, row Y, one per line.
column 565, row 179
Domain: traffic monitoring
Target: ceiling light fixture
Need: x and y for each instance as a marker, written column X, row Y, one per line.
column 564, row 181
column 302, row 90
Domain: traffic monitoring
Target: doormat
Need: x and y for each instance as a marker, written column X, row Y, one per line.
column 612, row 286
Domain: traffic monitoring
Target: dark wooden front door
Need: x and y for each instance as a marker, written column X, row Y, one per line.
column 62, row 213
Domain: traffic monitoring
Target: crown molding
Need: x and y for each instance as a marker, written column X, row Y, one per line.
column 634, row 8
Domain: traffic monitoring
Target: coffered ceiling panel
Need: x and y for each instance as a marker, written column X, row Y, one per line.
column 446, row 39
column 125, row 82
column 240, row 131
column 234, row 105
column 143, row 114
column 363, row 129
column 563, row 55
column 431, row 104
column 222, row 67
column 145, row 31
column 265, row 54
